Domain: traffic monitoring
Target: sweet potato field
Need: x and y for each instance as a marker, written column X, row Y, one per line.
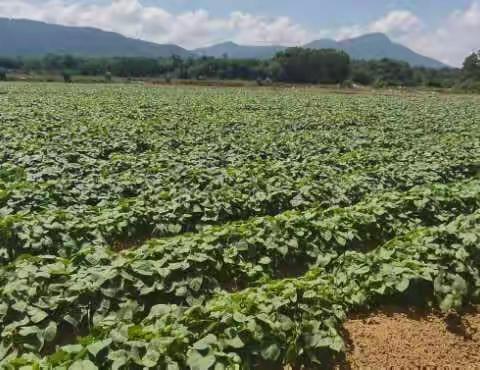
column 213, row 228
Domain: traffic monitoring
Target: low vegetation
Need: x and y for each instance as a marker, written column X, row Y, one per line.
column 295, row 65
column 226, row 228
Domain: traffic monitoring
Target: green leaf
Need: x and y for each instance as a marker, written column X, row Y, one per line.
column 239, row 317
column 205, row 342
column 265, row 260
column 235, row 342
column 50, row 332
column 96, row 347
column 83, row 365
column 327, row 235
column 159, row 310
column 172, row 366
column 447, row 303
column 119, row 358
column 341, row 240
column 151, row 358
column 271, row 353
column 460, row 285
column 293, row 243
column 181, row 291
column 198, row 362
column 337, row 344
column 36, row 315
column 73, row 348
column 28, row 330
column 402, row 285
column 195, row 283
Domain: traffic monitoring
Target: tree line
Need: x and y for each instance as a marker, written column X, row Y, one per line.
column 296, row 65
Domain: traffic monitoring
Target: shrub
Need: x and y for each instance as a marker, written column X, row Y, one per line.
column 67, row 77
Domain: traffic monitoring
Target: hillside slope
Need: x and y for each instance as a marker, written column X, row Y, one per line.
column 19, row 37
column 377, row 46
column 367, row 47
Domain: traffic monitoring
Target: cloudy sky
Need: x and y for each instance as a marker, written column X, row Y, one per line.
column 444, row 29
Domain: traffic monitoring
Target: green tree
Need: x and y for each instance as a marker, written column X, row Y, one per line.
column 384, row 72
column 313, row 66
column 10, row 63
column 362, row 77
column 3, row 74
column 67, row 76
column 471, row 73
column 471, row 66
column 179, row 66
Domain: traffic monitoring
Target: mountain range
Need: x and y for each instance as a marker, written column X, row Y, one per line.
column 22, row 37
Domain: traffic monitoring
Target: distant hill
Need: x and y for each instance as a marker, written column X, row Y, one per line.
column 20, row 37
column 377, row 46
column 367, row 47
column 235, row 51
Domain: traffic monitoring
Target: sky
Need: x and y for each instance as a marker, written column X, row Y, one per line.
column 447, row 30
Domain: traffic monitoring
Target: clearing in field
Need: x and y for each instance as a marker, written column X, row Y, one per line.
column 412, row 338
column 175, row 228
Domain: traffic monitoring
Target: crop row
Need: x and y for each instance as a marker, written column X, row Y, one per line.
column 288, row 321
column 214, row 228
column 72, row 160
column 28, row 187
column 189, row 269
column 162, row 213
column 116, row 166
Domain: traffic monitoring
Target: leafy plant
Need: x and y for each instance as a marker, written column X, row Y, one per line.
column 225, row 229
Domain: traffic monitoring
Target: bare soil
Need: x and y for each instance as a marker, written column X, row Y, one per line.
column 393, row 338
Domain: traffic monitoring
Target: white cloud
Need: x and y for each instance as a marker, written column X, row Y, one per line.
column 456, row 36
column 263, row 30
column 348, row 32
column 153, row 23
column 397, row 21
column 451, row 42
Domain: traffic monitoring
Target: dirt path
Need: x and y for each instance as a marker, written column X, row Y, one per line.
column 396, row 339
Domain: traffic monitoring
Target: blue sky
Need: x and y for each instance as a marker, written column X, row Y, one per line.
column 312, row 13
column 444, row 29
column 322, row 13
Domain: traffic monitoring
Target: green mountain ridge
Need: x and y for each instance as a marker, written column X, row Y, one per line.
column 235, row 51
column 377, row 46
column 367, row 47
column 22, row 37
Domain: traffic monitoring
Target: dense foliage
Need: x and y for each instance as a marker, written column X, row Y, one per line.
column 394, row 73
column 313, row 66
column 471, row 66
column 184, row 228
column 471, row 72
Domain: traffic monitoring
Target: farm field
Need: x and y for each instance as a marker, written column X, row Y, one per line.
column 220, row 228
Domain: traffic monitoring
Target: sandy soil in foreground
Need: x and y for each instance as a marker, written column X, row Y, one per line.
column 411, row 339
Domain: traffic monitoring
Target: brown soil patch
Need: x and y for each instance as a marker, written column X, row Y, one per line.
column 411, row 339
